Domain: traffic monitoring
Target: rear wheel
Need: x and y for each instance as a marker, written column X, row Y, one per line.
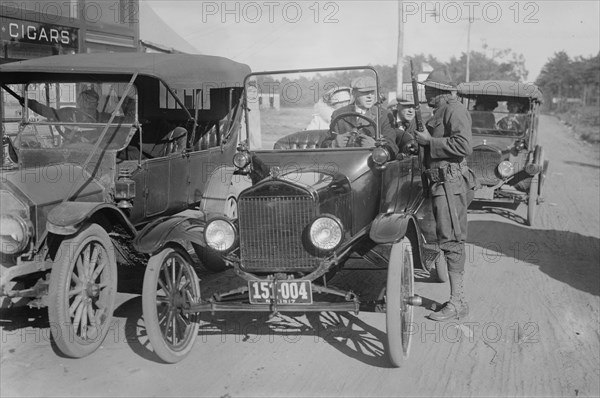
column 170, row 283
column 399, row 291
column 82, row 291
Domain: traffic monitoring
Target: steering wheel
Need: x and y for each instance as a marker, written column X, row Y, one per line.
column 353, row 141
column 72, row 114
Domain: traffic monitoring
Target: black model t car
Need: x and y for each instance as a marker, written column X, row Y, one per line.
column 94, row 147
column 302, row 210
column 507, row 160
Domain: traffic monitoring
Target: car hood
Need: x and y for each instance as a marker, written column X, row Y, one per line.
column 43, row 188
column 313, row 167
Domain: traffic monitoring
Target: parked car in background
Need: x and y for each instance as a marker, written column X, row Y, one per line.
column 508, row 161
column 304, row 209
column 77, row 185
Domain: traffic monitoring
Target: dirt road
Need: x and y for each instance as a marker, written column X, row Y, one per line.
column 533, row 328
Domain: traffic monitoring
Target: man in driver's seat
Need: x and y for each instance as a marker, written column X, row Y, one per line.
column 355, row 131
column 86, row 111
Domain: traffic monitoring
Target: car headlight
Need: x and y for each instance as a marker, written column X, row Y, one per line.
column 325, row 233
column 14, row 234
column 506, row 169
column 241, row 159
column 380, row 155
column 220, row 234
column 15, row 228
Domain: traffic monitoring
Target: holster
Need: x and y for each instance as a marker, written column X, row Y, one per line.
column 447, row 173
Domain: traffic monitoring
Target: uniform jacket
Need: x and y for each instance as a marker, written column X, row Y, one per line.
column 384, row 117
column 451, row 142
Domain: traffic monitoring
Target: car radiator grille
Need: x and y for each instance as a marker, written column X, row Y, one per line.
column 483, row 162
column 271, row 233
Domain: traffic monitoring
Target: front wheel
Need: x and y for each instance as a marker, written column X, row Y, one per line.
column 209, row 258
column 532, row 201
column 170, row 283
column 399, row 311
column 82, row 291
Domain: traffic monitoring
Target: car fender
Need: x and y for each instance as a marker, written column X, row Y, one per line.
column 217, row 190
column 68, row 217
column 174, row 229
column 390, row 227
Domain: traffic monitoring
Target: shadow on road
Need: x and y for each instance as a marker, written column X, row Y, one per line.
column 568, row 257
column 594, row 166
column 344, row 331
column 506, row 210
column 135, row 330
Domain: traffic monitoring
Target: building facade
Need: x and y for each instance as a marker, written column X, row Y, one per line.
column 32, row 29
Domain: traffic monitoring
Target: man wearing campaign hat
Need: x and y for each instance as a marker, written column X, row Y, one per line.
column 446, row 143
column 364, row 95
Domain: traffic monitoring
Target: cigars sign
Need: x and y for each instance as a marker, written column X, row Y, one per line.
column 39, row 33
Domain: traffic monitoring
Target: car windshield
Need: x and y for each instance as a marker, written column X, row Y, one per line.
column 502, row 117
column 61, row 114
column 293, row 110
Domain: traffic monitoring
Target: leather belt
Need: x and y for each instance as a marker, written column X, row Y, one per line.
column 449, row 172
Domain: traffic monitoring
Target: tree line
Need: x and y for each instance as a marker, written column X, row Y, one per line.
column 567, row 81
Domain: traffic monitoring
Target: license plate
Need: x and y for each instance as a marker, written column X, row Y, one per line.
column 287, row 292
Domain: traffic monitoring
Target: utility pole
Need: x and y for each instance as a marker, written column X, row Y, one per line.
column 468, row 50
column 400, row 57
column 470, row 21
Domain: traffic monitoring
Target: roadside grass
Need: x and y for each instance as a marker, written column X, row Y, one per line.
column 585, row 122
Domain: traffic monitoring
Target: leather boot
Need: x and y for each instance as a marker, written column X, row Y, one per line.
column 450, row 311
column 457, row 307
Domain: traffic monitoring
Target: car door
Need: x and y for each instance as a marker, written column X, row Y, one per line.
column 398, row 184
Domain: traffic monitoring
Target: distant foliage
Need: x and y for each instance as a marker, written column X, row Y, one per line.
column 564, row 80
column 500, row 65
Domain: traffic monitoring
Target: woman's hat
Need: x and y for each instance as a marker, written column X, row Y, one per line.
column 336, row 95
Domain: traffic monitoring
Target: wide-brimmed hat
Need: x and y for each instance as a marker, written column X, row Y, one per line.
column 440, row 79
column 364, row 83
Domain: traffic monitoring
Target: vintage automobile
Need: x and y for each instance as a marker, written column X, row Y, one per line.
column 507, row 160
column 303, row 210
column 77, row 186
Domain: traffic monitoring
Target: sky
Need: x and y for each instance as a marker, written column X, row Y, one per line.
column 274, row 35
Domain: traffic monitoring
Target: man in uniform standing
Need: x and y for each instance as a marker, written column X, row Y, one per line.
column 447, row 142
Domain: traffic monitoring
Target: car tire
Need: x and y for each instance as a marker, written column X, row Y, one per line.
column 399, row 313
column 82, row 291
column 209, row 259
column 532, row 200
column 231, row 208
column 170, row 282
